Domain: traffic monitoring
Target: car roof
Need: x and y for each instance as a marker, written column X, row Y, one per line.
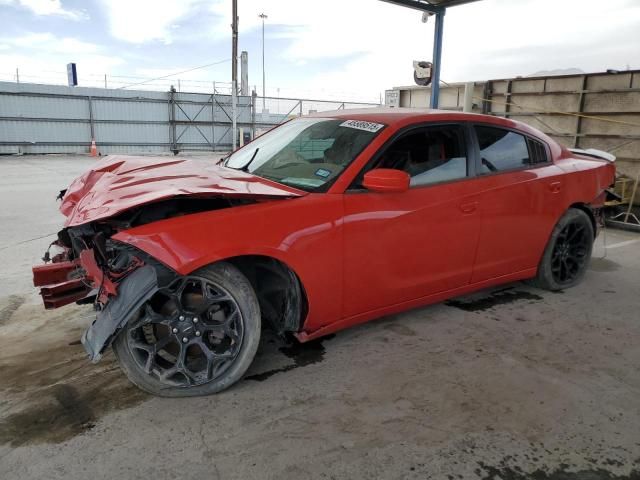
column 403, row 116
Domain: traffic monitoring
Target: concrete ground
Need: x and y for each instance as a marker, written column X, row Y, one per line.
column 512, row 383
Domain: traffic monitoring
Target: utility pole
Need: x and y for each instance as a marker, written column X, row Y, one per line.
column 234, row 72
column 263, row 17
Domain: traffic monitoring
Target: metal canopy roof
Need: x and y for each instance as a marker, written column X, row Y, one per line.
column 433, row 6
column 438, row 8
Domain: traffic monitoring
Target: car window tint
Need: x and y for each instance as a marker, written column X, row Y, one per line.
column 306, row 153
column 537, row 151
column 501, row 149
column 429, row 155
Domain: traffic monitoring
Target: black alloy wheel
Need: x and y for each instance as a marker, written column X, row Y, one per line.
column 188, row 334
column 566, row 257
column 570, row 252
column 196, row 336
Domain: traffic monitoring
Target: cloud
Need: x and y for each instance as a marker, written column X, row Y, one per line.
column 141, row 21
column 368, row 46
column 47, row 8
column 48, row 43
column 350, row 48
column 42, row 58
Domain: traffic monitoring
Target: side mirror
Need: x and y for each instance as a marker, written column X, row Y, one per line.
column 386, row 180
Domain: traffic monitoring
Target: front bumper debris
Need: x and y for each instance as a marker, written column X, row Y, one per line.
column 59, row 286
column 133, row 292
column 67, row 281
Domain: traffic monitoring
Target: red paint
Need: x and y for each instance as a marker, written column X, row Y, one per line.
column 386, row 180
column 359, row 255
column 52, row 273
column 58, row 295
column 118, row 183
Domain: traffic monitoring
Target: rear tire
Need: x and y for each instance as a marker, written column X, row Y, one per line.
column 196, row 337
column 567, row 254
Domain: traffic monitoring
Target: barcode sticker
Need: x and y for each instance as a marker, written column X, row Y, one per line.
column 362, row 125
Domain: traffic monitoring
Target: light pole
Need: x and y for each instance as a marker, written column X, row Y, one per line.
column 263, row 16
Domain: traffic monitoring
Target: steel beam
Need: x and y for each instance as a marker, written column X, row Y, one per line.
column 416, row 5
column 437, row 59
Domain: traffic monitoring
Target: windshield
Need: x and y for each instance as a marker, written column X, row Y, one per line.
column 306, row 153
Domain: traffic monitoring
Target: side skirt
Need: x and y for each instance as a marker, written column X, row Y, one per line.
column 419, row 302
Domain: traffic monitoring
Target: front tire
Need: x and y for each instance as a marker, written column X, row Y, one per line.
column 197, row 336
column 566, row 257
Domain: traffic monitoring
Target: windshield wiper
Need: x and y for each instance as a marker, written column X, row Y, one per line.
column 245, row 167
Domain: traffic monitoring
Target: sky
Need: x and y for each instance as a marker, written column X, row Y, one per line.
column 327, row 49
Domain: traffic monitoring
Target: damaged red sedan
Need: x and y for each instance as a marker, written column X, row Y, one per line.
column 322, row 223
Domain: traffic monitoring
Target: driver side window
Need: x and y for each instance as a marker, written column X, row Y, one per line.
column 429, row 155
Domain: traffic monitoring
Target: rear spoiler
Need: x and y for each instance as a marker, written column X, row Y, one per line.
column 592, row 152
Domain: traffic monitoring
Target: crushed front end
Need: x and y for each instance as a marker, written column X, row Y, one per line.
column 88, row 267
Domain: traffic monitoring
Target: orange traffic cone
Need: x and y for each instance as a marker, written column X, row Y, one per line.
column 94, row 151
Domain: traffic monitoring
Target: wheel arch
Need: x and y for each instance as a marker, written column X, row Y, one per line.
column 586, row 208
column 281, row 294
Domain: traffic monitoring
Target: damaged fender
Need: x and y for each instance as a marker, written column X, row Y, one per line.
column 133, row 292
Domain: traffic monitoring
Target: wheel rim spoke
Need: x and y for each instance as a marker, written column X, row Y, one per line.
column 570, row 252
column 192, row 342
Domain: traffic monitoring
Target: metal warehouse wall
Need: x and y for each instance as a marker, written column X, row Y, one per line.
column 595, row 110
column 57, row 119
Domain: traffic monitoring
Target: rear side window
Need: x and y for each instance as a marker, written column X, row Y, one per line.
column 501, row 149
column 537, row 151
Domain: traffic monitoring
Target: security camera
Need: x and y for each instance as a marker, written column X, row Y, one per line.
column 425, row 16
column 422, row 72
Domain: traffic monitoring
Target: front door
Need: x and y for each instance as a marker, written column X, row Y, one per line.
column 403, row 246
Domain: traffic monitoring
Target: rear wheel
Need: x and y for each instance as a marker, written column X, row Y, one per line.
column 566, row 257
column 195, row 337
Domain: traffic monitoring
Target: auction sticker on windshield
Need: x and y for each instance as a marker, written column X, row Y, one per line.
column 362, row 125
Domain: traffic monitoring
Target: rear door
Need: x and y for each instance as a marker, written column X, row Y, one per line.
column 520, row 201
column 403, row 246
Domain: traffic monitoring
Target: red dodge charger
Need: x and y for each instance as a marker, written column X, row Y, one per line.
column 322, row 223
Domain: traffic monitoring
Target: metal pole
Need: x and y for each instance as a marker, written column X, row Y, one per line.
column 437, row 57
column 234, row 71
column 467, row 103
column 234, row 125
column 17, row 75
column 105, row 80
column 172, row 121
column 213, row 119
column 91, row 128
column 263, row 16
column 253, row 114
column 234, row 41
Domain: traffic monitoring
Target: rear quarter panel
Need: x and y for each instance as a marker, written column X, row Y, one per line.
column 586, row 178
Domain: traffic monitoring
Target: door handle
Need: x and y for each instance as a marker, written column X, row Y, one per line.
column 555, row 187
column 469, row 207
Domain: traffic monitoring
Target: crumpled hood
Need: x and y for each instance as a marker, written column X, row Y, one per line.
column 117, row 183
